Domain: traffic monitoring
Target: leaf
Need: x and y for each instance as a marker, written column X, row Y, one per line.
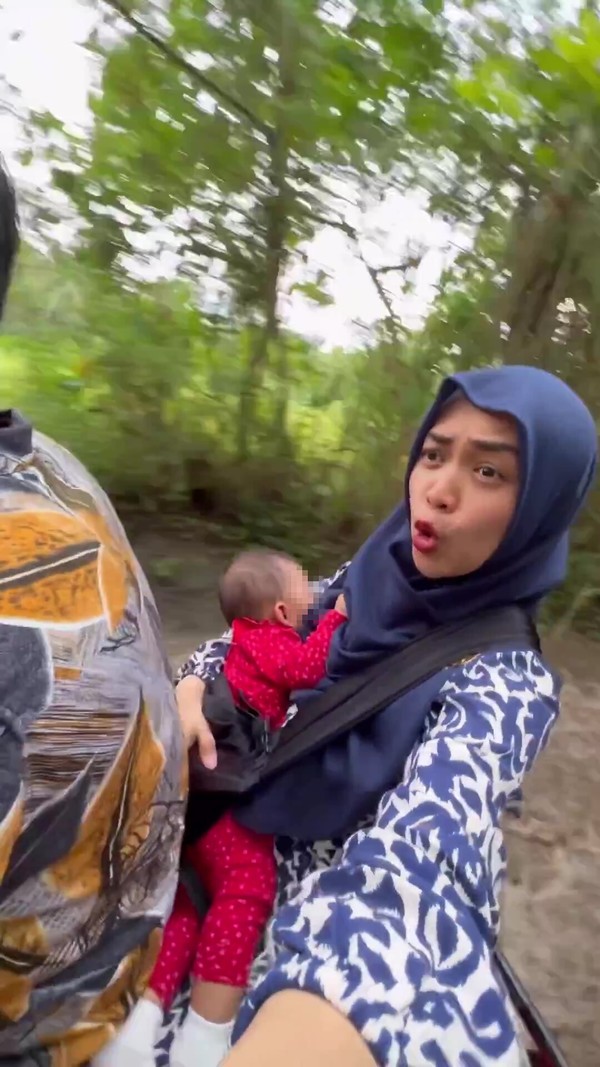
column 546, row 156
column 312, row 291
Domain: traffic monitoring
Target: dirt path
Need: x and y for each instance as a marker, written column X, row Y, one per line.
column 552, row 908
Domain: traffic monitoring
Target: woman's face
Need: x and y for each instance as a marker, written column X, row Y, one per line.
column 463, row 490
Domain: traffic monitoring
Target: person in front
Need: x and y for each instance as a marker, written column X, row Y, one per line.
column 264, row 597
column 93, row 768
column 383, row 945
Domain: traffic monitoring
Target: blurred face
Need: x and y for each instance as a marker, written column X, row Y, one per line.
column 297, row 599
column 463, row 490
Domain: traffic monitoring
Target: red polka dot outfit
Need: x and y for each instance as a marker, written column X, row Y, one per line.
column 265, row 663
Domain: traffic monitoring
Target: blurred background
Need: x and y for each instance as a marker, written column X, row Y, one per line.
column 256, row 234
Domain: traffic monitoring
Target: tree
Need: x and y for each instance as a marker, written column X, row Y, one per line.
column 233, row 127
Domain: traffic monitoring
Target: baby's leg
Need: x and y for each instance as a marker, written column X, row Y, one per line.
column 134, row 1044
column 179, row 944
column 239, row 872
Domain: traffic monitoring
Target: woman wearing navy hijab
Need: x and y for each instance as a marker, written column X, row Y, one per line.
column 396, row 931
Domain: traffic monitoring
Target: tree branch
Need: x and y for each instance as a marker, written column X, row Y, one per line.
column 406, row 264
column 373, row 272
column 173, row 56
column 345, row 227
column 200, row 248
column 335, row 224
column 381, row 292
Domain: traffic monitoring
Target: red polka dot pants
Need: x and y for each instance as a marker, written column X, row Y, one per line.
column 237, row 868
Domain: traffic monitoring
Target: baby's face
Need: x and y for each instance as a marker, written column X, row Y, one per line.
column 299, row 595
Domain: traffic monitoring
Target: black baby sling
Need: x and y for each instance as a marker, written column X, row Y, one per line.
column 249, row 751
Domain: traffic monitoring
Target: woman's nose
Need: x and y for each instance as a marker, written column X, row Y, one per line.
column 442, row 493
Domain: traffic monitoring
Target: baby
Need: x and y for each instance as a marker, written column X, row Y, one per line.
column 264, row 597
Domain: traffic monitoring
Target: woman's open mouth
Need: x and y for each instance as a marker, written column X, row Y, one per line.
column 424, row 537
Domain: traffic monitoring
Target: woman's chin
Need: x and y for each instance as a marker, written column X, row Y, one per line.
column 428, row 564
column 436, row 566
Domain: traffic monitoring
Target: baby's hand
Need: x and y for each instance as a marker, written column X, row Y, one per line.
column 340, row 605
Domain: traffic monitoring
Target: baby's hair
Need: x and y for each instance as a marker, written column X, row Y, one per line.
column 253, row 584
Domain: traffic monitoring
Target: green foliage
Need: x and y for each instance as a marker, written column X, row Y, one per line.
column 225, row 135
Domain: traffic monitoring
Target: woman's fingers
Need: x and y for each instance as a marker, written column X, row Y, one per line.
column 206, row 744
column 190, row 694
column 340, row 605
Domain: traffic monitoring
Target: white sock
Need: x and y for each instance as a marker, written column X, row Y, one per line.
column 200, row 1043
column 133, row 1046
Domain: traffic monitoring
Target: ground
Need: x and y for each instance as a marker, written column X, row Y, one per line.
column 551, row 925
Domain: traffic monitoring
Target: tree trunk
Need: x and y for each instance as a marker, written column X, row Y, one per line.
column 248, row 393
column 542, row 256
column 276, row 234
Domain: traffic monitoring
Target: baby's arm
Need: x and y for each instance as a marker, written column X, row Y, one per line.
column 296, row 664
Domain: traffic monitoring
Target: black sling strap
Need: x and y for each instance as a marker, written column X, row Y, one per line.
column 356, row 699
column 550, row 1054
column 349, row 703
column 250, row 753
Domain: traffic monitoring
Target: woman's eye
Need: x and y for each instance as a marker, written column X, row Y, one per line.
column 488, row 472
column 431, row 455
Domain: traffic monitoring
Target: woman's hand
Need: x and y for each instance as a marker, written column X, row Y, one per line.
column 297, row 1028
column 189, row 694
column 340, row 605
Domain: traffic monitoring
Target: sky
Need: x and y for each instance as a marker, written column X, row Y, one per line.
column 41, row 54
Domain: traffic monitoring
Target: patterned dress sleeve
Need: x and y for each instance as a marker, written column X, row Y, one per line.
column 208, row 659
column 335, row 581
column 206, row 662
column 399, row 936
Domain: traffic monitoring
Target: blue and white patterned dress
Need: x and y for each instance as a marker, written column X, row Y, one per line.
column 397, row 926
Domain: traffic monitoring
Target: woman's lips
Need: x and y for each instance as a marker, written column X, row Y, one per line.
column 424, row 538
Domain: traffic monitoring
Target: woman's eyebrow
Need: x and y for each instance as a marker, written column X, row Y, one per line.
column 484, row 445
column 495, row 446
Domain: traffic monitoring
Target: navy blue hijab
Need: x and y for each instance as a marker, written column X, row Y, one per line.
column 390, row 603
